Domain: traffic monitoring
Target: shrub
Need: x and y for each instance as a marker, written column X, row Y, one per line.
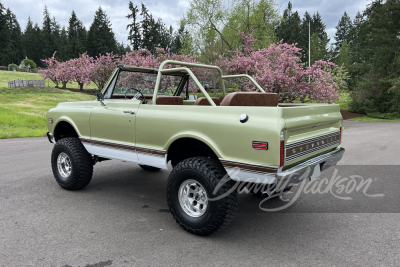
column 13, row 67
column 27, row 64
column 368, row 103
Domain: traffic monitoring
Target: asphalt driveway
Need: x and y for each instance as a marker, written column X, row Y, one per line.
column 122, row 219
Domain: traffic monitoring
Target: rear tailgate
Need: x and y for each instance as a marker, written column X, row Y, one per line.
column 311, row 130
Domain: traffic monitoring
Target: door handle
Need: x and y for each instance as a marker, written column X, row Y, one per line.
column 129, row 112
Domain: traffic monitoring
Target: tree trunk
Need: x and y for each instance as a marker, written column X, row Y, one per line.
column 64, row 85
column 80, row 86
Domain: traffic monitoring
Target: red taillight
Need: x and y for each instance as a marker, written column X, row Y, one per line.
column 260, row 145
column 340, row 136
column 282, row 155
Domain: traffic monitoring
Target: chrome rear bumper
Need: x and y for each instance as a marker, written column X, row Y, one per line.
column 305, row 170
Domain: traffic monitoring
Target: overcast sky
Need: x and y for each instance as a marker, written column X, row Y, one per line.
column 168, row 10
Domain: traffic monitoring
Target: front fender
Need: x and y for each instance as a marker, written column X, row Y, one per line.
column 76, row 118
column 68, row 120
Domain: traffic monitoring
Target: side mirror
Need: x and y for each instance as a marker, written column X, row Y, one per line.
column 100, row 97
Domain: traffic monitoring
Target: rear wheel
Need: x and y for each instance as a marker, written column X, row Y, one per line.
column 191, row 198
column 149, row 168
column 72, row 165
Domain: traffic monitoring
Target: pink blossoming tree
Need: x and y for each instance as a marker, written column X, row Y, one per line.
column 277, row 69
column 102, row 67
column 53, row 67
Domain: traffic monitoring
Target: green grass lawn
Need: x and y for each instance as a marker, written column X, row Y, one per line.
column 23, row 112
column 6, row 76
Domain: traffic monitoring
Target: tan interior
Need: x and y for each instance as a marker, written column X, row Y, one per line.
column 169, row 100
column 251, row 99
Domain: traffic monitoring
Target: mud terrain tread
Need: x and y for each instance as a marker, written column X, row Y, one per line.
column 213, row 171
column 82, row 163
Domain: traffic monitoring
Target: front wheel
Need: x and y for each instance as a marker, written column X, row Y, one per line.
column 192, row 200
column 72, row 165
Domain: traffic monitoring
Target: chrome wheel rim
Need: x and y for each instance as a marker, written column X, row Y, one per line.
column 64, row 165
column 193, row 198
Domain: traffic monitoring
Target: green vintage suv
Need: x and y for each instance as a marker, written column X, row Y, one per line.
column 213, row 145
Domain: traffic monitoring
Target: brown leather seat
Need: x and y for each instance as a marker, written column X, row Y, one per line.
column 251, row 99
column 169, row 100
column 202, row 101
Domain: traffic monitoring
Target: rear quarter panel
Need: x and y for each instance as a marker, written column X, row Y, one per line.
column 158, row 126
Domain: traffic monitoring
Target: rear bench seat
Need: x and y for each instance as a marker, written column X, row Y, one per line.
column 202, row 101
column 251, row 99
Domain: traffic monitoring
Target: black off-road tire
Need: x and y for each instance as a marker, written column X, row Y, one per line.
column 81, row 164
column 208, row 172
column 149, row 168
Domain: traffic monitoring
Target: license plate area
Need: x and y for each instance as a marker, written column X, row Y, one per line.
column 315, row 172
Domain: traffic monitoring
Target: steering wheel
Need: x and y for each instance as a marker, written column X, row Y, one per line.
column 137, row 96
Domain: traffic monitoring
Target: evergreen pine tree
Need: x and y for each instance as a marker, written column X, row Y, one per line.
column 343, row 59
column 161, row 34
column 16, row 53
column 63, row 45
column 375, row 51
column 289, row 28
column 318, row 26
column 318, row 48
column 48, row 44
column 101, row 38
column 177, row 39
column 303, row 42
column 76, row 33
column 37, row 44
column 5, row 38
column 27, row 39
column 343, row 30
column 55, row 33
column 146, row 25
column 134, row 27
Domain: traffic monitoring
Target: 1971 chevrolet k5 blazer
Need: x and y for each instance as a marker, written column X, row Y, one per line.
column 212, row 144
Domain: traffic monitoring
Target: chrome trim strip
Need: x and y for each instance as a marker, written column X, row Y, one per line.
column 142, row 150
column 251, row 171
column 151, row 151
column 152, row 154
column 312, row 140
column 112, row 145
column 246, row 163
column 299, row 155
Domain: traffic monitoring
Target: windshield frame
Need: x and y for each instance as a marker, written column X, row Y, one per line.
column 121, row 68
